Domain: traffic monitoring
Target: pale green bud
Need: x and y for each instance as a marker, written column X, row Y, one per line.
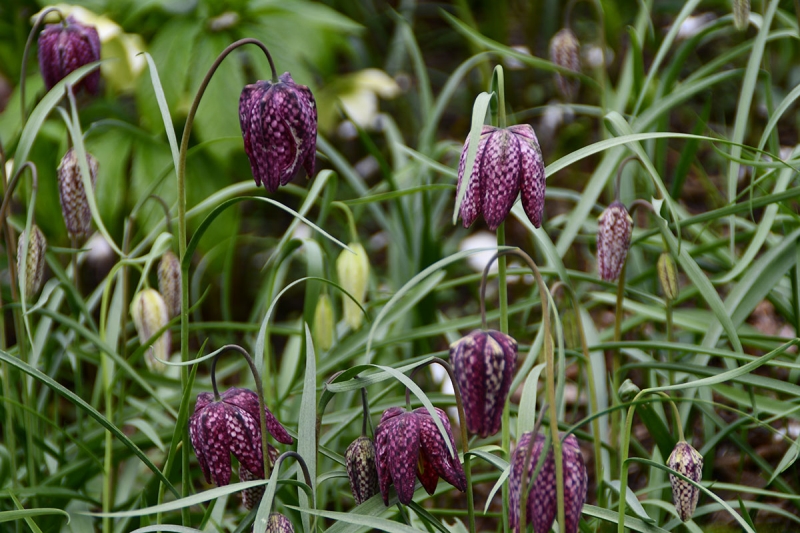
column 668, row 276
column 741, row 14
column 149, row 313
column 352, row 270
column 323, row 323
column 34, row 262
column 169, row 282
column 628, row 390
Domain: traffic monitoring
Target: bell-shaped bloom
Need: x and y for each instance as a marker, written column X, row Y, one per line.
column 228, row 426
column 169, row 282
column 352, row 269
column 361, row 469
column 542, row 503
column 74, row 203
column 614, row 228
column 408, row 446
column 508, row 162
column 149, row 314
column 279, row 524
column 279, row 125
column 565, row 52
column 484, row 363
column 65, row 47
column 685, row 460
column 34, row 261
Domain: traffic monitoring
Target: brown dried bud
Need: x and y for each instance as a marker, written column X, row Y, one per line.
column 279, row 524
column 149, row 313
column 34, row 262
column 668, row 276
column 169, row 282
column 614, row 228
column 74, row 204
column 565, row 52
column 687, row 461
column 361, row 469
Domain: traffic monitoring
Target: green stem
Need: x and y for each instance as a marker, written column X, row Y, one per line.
column 669, row 339
column 616, row 361
column 351, row 222
column 505, row 435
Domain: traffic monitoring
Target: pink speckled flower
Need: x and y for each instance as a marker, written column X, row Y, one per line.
column 508, row 162
column 408, row 445
column 65, row 47
column 231, row 425
column 279, row 125
column 483, row 363
column 614, row 228
column 542, row 501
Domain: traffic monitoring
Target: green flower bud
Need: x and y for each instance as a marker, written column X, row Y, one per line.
column 323, row 323
column 169, row 282
column 353, row 272
column 149, row 313
column 687, row 461
column 628, row 390
column 34, row 262
column 668, row 276
column 741, row 14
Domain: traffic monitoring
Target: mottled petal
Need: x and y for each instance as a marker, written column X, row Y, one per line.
column 687, row 461
column 576, row 482
column 500, row 176
column 361, row 471
column 404, row 448
column 248, row 400
column 614, row 228
column 435, row 451
column 64, row 48
column 471, row 204
column 532, row 179
column 382, row 459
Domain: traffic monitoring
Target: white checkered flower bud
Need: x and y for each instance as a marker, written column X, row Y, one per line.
column 149, row 313
column 614, row 228
column 687, row 461
column 169, row 282
column 352, row 270
column 565, row 52
column 72, row 194
column 34, row 262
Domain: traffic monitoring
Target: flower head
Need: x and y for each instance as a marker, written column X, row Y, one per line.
column 279, row 524
column 74, row 204
column 34, row 261
column 687, row 461
column 565, row 52
column 408, row 446
column 352, row 269
column 543, row 492
column 169, row 282
column 279, row 125
column 65, row 47
column 231, row 425
column 614, row 228
column 508, row 162
column 483, row 363
column 149, row 313
column 361, row 469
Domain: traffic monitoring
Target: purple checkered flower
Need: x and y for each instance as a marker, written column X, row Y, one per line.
column 508, row 162
column 279, row 524
column 279, row 125
column 483, row 363
column 542, row 500
column 361, row 469
column 65, row 47
column 408, row 446
column 228, row 426
column 614, row 228
column 687, row 461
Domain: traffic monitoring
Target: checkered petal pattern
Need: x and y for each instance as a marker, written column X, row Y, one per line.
column 687, row 461
column 614, row 228
column 65, row 47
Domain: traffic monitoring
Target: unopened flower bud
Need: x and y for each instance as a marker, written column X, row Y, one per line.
column 279, row 524
column 741, row 14
column 668, row 276
column 252, row 496
column 687, row 461
column 614, row 228
column 169, row 282
column 65, row 47
column 34, row 262
column 74, row 204
column 361, row 469
column 352, row 270
column 323, row 323
column 565, row 52
column 628, row 390
column 149, row 313
column 569, row 324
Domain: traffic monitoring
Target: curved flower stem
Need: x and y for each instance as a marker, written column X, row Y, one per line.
column 626, row 438
column 351, row 222
column 306, row 476
column 597, row 441
column 618, row 179
column 365, row 407
column 26, row 53
column 616, row 360
column 262, row 415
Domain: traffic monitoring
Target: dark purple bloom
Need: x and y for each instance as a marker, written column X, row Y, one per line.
column 542, row 500
column 66, row 46
column 614, row 228
column 361, row 469
column 279, row 125
column 408, row 446
column 231, row 425
column 279, row 524
column 483, row 363
column 508, row 162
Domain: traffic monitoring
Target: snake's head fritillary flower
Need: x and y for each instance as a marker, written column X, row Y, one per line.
column 65, row 47
column 542, row 500
column 361, row 469
column 279, row 524
column 687, row 461
column 149, row 314
column 279, row 126
column 614, row 228
column 74, row 203
column 169, row 282
column 34, row 261
column 231, row 425
column 565, row 52
column 484, row 363
column 408, row 446
column 508, row 162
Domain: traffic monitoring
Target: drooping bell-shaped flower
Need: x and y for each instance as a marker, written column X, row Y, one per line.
column 34, row 261
column 614, row 228
column 169, row 282
column 542, row 503
column 74, row 203
column 668, row 276
column 565, row 52
column 352, row 269
column 231, row 425
column 324, row 327
column 279, row 524
column 408, row 446
column 279, row 126
column 149, row 314
column 508, row 162
column 483, row 363
column 65, row 47
column 361, row 469
column 685, row 460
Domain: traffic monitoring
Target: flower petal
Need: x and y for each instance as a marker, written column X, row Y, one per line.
column 532, row 181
